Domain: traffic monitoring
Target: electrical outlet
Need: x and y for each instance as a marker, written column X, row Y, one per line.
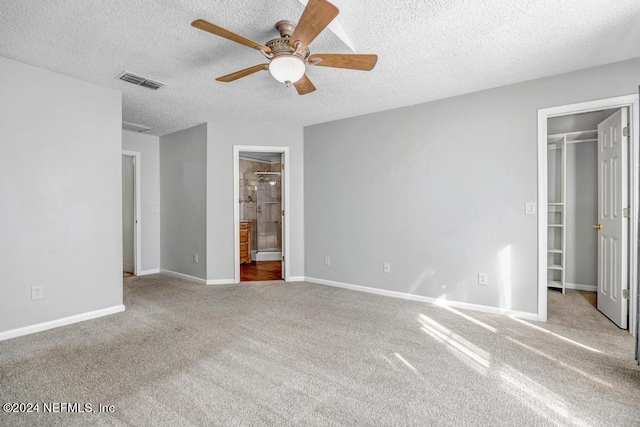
column 386, row 267
column 483, row 279
column 36, row 292
column 195, row 258
column 327, row 260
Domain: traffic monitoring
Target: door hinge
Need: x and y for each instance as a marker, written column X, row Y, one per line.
column 282, row 212
column 625, row 293
column 625, row 131
column 282, row 258
column 626, row 213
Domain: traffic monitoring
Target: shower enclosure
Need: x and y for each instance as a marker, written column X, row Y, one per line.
column 261, row 203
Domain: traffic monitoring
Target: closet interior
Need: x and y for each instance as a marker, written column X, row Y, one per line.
column 572, row 205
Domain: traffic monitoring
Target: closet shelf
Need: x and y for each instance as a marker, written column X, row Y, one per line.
column 573, row 137
column 557, row 218
column 554, row 284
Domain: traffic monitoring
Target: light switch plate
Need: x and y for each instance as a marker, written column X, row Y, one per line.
column 530, row 208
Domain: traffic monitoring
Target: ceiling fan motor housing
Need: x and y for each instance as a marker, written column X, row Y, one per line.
column 281, row 47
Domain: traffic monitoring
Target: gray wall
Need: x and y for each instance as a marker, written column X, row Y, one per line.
column 183, row 168
column 220, row 200
column 438, row 190
column 60, row 192
column 149, row 148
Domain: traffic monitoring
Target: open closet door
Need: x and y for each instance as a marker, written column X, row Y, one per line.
column 612, row 224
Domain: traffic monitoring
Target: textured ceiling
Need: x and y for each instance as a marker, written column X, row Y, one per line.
column 427, row 50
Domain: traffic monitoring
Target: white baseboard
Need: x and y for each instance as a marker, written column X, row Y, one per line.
column 297, row 278
column 197, row 279
column 590, row 288
column 420, row 298
column 60, row 322
column 183, row 276
column 220, row 282
column 127, row 267
column 147, row 272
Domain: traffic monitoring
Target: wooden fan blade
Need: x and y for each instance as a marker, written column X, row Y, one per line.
column 315, row 17
column 207, row 26
column 304, row 85
column 242, row 73
column 353, row 62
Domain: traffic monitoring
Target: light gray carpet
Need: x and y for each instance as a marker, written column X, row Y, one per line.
column 301, row 354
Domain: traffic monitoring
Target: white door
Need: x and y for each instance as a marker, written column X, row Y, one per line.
column 612, row 225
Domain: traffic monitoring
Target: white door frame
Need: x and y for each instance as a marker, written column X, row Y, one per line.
column 237, row 149
column 630, row 102
column 137, row 224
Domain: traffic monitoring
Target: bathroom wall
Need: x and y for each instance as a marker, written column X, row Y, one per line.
column 249, row 188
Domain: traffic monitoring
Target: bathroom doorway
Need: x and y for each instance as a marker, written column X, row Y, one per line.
column 260, row 213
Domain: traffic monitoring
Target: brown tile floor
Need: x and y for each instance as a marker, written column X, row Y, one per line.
column 261, row 271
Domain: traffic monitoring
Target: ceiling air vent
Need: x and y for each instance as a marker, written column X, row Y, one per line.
column 139, row 80
column 133, row 127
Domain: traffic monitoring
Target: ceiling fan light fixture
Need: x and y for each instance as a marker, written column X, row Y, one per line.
column 287, row 69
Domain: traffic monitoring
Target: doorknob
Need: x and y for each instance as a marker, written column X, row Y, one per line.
column 597, row 227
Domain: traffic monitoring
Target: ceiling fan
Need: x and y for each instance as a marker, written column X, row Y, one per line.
column 289, row 54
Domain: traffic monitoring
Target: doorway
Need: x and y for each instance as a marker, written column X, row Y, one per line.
column 260, row 213
column 552, row 215
column 131, row 227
